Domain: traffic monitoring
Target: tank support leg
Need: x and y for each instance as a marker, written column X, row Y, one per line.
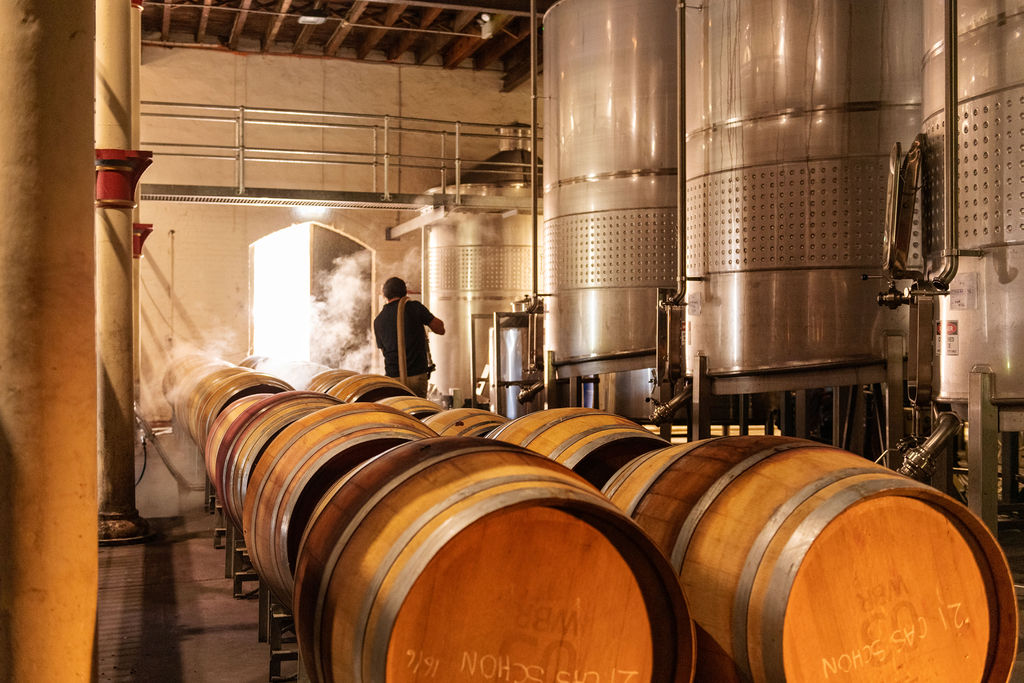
column 700, row 414
column 894, row 376
column 982, row 442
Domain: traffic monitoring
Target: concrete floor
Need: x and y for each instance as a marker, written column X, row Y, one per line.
column 166, row 612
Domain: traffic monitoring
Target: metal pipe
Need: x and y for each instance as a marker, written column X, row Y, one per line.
column 680, row 295
column 527, row 394
column 533, row 146
column 950, row 180
column 417, row 3
column 663, row 412
column 919, row 461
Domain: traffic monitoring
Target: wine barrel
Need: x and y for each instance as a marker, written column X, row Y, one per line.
column 804, row 562
column 463, row 559
column 592, row 443
column 178, row 371
column 299, row 465
column 414, row 405
column 180, row 382
column 367, row 388
column 219, row 388
column 257, row 426
column 224, row 430
column 328, row 378
column 253, row 362
column 464, row 422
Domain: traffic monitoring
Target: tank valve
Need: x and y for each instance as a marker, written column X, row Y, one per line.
column 529, row 392
column 893, row 298
column 918, row 457
column 663, row 412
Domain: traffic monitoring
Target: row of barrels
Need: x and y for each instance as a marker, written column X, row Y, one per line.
column 416, row 544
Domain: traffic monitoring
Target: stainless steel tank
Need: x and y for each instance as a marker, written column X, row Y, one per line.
column 982, row 320
column 793, row 107
column 609, row 173
column 477, row 262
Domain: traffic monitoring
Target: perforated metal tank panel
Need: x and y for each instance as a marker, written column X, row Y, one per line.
column 982, row 320
column 797, row 105
column 476, row 263
column 609, row 172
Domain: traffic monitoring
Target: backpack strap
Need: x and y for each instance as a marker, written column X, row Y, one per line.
column 403, row 368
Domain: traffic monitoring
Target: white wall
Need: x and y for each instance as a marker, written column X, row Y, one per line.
column 194, row 291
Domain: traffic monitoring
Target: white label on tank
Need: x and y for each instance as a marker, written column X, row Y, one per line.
column 947, row 338
column 693, row 302
column 963, row 293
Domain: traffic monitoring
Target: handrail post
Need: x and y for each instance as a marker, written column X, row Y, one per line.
column 387, row 156
column 375, row 129
column 240, row 150
column 458, row 162
column 444, row 162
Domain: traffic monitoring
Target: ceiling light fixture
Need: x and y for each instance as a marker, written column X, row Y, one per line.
column 313, row 17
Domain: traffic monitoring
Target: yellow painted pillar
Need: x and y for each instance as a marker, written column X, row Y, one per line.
column 48, row 566
column 118, row 168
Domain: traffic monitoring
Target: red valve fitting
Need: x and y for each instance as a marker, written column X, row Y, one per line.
column 117, row 173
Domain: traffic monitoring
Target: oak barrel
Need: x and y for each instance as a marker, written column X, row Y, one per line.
column 176, row 380
column 414, row 405
column 224, row 430
column 805, row 562
column 465, row 559
column 299, row 465
column 216, row 389
column 323, row 381
column 592, row 443
column 464, row 422
column 368, row 387
column 258, row 425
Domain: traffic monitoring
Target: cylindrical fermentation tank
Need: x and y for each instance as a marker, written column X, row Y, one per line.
column 793, row 107
column 609, row 174
column 478, row 262
column 982, row 320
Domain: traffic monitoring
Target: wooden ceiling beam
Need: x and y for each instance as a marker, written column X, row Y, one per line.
column 510, row 36
column 518, row 72
column 204, row 18
column 464, row 48
column 405, row 41
column 165, row 21
column 438, row 43
column 307, row 31
column 236, row 30
column 375, row 35
column 344, row 28
column 275, row 23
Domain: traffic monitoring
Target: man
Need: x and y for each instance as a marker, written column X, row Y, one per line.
column 412, row 336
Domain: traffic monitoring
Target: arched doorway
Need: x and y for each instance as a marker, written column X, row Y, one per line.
column 311, row 296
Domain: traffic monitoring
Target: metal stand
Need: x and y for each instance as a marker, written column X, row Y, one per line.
column 220, row 528
column 850, row 400
column 236, row 561
column 281, row 637
column 987, row 420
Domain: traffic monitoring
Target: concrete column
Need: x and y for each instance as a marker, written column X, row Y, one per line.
column 119, row 519
column 48, row 566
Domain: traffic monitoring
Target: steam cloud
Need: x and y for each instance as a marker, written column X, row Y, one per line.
column 342, row 331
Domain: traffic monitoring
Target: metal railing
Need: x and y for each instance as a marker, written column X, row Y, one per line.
column 380, row 144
